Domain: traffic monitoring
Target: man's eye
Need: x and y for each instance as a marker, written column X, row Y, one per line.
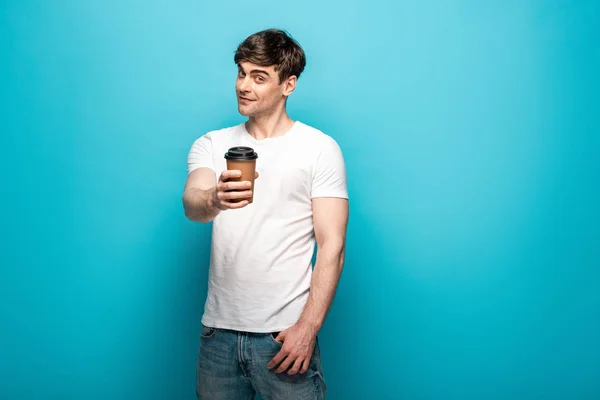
column 241, row 74
column 260, row 79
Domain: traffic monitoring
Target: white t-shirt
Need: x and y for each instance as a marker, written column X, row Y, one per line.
column 261, row 255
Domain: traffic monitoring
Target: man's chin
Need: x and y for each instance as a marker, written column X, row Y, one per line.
column 244, row 112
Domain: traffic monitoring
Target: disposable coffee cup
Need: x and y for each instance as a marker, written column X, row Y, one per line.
column 243, row 159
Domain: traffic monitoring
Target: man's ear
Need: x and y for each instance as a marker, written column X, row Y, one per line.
column 289, row 85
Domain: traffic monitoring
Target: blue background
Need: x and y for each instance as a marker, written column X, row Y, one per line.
column 472, row 140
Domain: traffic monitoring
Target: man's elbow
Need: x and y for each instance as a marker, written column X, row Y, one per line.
column 190, row 213
column 342, row 258
column 335, row 251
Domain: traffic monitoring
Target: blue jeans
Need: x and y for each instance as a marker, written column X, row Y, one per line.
column 233, row 365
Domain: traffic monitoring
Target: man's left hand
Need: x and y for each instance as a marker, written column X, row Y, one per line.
column 296, row 352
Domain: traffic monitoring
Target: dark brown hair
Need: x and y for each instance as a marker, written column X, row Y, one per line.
column 273, row 47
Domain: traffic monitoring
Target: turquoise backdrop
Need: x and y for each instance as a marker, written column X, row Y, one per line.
column 471, row 132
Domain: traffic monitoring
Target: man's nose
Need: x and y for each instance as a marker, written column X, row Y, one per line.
column 244, row 85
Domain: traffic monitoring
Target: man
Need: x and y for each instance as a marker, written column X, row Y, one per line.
column 265, row 303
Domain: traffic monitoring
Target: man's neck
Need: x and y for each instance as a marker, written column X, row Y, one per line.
column 269, row 126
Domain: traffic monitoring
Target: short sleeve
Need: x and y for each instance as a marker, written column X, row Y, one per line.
column 200, row 155
column 329, row 176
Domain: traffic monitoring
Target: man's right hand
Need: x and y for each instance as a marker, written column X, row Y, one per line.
column 228, row 191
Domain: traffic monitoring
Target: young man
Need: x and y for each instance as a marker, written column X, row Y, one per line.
column 265, row 302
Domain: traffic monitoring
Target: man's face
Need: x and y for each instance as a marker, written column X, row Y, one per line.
column 259, row 91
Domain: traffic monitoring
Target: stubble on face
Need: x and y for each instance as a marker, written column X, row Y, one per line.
column 258, row 89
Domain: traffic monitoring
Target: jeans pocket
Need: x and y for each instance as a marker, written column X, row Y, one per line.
column 207, row 332
column 272, row 337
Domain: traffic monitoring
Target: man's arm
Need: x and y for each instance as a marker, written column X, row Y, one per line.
column 203, row 198
column 199, row 194
column 330, row 216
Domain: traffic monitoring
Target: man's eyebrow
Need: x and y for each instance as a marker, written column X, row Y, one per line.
column 255, row 71
column 259, row 71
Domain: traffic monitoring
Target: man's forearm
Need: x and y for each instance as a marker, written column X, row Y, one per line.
column 199, row 205
column 325, row 278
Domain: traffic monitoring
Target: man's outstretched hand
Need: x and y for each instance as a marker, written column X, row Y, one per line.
column 229, row 190
column 296, row 352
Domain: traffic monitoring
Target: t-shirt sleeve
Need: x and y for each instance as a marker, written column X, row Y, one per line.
column 201, row 155
column 329, row 177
